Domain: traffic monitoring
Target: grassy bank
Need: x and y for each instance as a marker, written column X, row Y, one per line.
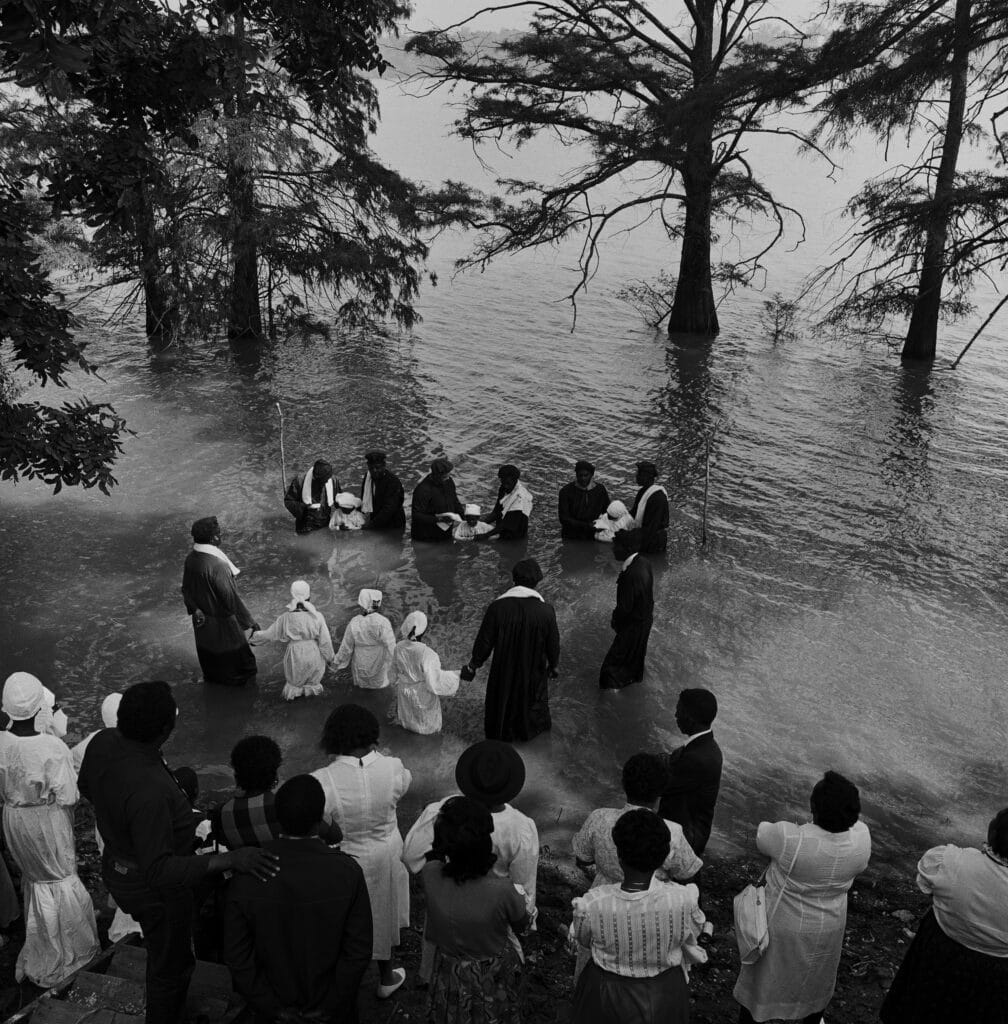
column 883, row 909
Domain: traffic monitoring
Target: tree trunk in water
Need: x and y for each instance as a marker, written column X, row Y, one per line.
column 244, row 320
column 693, row 309
column 922, row 333
column 158, row 311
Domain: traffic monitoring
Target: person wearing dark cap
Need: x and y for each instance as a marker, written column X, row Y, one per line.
column 435, row 505
column 580, row 503
column 382, row 495
column 298, row 945
column 493, row 773
column 219, row 615
column 311, row 498
column 694, row 769
column 520, row 630
column 632, row 617
column 510, row 515
column 651, row 510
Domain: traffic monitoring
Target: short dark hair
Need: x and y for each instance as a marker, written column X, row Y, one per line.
column 188, row 782
column 527, row 573
column 997, row 833
column 256, row 761
column 836, row 803
column 699, row 704
column 642, row 839
column 300, row 804
column 349, row 727
column 146, row 710
column 644, row 778
column 462, row 832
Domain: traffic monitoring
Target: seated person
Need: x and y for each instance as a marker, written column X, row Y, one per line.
column 510, row 516
column 310, row 498
column 616, row 518
column 347, row 514
column 470, row 527
column 580, row 503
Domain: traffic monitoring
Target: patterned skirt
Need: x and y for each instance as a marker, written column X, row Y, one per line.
column 941, row 981
column 476, row 991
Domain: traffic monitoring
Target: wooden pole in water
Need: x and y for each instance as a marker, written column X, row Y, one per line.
column 283, row 460
column 706, row 488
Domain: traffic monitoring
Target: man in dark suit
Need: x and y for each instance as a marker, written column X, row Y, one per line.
column 694, row 769
column 298, row 945
column 632, row 616
column 382, row 495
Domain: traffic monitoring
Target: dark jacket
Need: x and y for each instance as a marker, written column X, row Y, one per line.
column 302, row 940
column 430, row 500
column 692, row 791
column 389, row 497
column 654, row 528
column 307, row 519
column 577, row 510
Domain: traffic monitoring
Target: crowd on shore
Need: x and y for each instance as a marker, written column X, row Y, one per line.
column 310, row 877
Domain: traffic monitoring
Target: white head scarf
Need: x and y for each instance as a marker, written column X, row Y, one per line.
column 472, row 510
column 347, row 502
column 616, row 510
column 110, row 710
column 53, row 722
column 369, row 599
column 414, row 626
column 300, row 594
column 23, row 696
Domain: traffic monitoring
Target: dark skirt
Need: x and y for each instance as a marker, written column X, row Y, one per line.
column 476, row 991
column 602, row 997
column 624, row 661
column 941, row 981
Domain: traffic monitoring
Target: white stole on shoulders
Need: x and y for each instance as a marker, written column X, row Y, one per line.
column 520, row 591
column 212, row 549
column 306, row 495
column 639, row 514
column 367, row 495
column 517, row 500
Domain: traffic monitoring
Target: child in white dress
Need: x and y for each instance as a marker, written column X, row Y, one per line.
column 616, row 518
column 419, row 680
column 309, row 646
column 347, row 514
column 368, row 644
column 470, row 527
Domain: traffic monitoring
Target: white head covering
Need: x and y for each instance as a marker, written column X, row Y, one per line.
column 472, row 510
column 53, row 722
column 23, row 696
column 414, row 626
column 110, row 710
column 300, row 592
column 345, row 500
column 616, row 509
column 369, row 599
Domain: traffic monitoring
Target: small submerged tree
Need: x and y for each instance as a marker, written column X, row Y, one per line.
column 662, row 100
column 936, row 71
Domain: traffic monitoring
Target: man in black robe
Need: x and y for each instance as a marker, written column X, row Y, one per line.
column 433, row 499
column 519, row 629
column 581, row 503
column 382, row 495
column 632, row 617
column 510, row 514
column 310, row 498
column 651, row 510
column 219, row 615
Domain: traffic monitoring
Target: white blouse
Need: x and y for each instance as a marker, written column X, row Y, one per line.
column 970, row 897
column 368, row 646
column 36, row 770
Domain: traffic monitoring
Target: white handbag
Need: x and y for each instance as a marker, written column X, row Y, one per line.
column 752, row 925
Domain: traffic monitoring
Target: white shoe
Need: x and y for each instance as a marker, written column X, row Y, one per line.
column 385, row 991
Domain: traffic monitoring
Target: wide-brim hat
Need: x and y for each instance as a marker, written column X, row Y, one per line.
column 491, row 772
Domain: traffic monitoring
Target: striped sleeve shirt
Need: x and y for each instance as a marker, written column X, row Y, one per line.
column 246, row 821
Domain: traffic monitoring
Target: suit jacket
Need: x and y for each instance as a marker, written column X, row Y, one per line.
column 692, row 792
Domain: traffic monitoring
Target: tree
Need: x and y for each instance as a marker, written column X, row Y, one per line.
column 925, row 232
column 666, row 94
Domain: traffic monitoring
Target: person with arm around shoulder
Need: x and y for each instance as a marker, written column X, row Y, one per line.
column 812, row 867
column 956, row 968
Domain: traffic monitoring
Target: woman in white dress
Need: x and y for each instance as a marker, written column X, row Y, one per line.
column 814, row 864
column 38, row 787
column 362, row 788
column 419, row 680
column 309, row 646
column 368, row 644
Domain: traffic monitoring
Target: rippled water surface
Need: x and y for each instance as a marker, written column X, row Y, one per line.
column 849, row 611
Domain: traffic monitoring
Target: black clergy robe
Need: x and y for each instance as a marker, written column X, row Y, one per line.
column 388, row 498
column 578, row 508
column 307, row 519
column 521, row 634
column 654, row 528
column 631, row 619
column 430, row 500
column 224, row 653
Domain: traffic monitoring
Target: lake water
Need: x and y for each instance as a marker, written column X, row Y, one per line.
column 849, row 610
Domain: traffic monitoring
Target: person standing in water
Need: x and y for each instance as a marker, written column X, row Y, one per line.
column 580, row 503
column 310, row 499
column 632, row 617
column 651, row 510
